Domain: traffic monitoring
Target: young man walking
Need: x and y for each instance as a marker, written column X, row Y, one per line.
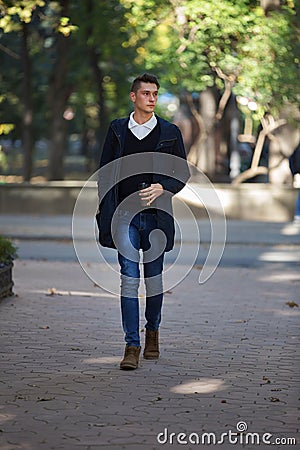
column 135, row 212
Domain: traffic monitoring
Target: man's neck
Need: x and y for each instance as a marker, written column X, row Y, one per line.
column 141, row 118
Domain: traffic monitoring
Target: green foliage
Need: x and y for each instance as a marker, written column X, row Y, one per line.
column 190, row 41
column 8, row 250
column 6, row 128
column 14, row 12
column 269, row 67
column 187, row 43
column 101, row 31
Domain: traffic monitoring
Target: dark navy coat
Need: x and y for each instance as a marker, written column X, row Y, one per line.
column 171, row 173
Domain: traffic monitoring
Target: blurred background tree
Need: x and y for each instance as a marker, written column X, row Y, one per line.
column 67, row 66
column 212, row 53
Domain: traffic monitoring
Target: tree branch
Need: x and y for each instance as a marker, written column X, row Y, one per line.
column 190, row 39
column 229, row 81
column 9, row 52
column 268, row 125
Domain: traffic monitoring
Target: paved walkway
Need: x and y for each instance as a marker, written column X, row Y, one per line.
column 229, row 352
column 43, row 227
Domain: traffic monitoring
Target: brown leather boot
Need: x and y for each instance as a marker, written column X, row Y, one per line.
column 151, row 345
column 131, row 358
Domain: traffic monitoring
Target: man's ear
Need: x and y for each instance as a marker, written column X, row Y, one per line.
column 132, row 96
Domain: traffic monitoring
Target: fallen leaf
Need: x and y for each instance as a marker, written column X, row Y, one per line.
column 292, row 304
column 51, row 291
column 44, row 327
column 274, row 399
column 267, row 381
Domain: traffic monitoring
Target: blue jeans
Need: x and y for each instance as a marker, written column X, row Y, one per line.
column 297, row 209
column 131, row 235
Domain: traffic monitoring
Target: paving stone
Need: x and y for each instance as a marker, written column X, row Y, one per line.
column 61, row 387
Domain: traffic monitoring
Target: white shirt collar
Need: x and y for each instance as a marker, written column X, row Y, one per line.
column 141, row 130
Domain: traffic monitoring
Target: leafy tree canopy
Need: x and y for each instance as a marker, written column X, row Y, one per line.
column 193, row 42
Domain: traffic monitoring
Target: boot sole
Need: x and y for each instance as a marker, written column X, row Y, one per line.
column 127, row 367
column 151, row 357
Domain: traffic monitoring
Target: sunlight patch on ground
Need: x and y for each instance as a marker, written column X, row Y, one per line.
column 280, row 256
column 102, row 360
column 280, row 277
column 204, row 386
column 286, row 313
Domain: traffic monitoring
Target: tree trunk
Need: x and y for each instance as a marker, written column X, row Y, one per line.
column 207, row 150
column 102, row 115
column 269, row 5
column 58, row 96
column 94, row 57
column 27, row 126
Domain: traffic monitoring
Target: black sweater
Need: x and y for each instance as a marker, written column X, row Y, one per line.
column 133, row 145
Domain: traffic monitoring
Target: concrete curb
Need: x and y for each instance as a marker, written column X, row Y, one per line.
column 263, row 202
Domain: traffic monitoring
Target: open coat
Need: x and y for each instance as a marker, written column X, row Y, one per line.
column 170, row 169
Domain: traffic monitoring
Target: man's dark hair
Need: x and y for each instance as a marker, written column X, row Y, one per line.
column 145, row 78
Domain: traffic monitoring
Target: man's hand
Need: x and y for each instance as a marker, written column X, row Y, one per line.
column 151, row 193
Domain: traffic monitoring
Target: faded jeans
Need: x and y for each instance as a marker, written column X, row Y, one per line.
column 131, row 235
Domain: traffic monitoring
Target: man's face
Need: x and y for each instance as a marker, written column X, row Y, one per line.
column 145, row 98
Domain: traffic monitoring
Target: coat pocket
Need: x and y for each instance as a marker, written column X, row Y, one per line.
column 167, row 146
